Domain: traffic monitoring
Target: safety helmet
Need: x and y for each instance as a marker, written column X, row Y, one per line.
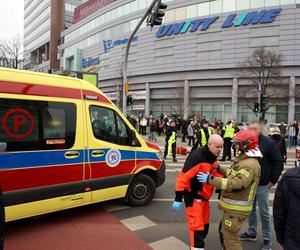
column 246, row 139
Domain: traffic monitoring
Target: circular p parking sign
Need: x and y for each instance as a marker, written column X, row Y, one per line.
column 17, row 123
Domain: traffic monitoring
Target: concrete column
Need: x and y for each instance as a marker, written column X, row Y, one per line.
column 291, row 108
column 186, row 100
column 147, row 101
column 118, row 96
column 234, row 100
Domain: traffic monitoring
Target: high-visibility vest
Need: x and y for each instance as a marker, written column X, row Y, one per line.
column 171, row 141
column 229, row 132
column 203, row 137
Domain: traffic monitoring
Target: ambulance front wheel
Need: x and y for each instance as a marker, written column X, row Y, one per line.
column 141, row 190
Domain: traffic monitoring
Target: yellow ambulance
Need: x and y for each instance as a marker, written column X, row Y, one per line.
column 64, row 144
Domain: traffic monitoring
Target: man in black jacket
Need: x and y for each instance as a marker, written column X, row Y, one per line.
column 271, row 167
column 286, row 210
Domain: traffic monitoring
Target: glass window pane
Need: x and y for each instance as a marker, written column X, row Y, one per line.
column 142, row 4
column 215, row 7
column 271, row 2
column 126, row 9
column 203, row 9
column 180, row 13
column 243, row 5
column 123, row 138
column 287, row 1
column 228, row 5
column 170, row 16
column 103, row 124
column 120, row 11
column 192, row 11
column 134, row 6
column 113, row 14
column 297, row 1
column 257, row 4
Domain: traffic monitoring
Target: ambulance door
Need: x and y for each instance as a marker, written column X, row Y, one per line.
column 111, row 156
column 42, row 165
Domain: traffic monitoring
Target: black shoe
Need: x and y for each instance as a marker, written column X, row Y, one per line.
column 222, row 160
column 266, row 245
column 246, row 236
column 174, row 160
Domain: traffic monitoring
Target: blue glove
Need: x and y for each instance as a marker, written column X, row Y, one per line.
column 202, row 177
column 177, row 206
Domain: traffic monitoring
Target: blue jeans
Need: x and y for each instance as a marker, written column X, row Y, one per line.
column 262, row 199
column 290, row 141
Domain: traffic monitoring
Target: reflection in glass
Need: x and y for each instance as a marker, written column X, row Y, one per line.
column 215, row 7
column 203, row 9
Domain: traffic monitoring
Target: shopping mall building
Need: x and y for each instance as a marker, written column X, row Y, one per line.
column 188, row 65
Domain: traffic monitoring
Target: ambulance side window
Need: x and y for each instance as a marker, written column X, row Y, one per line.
column 37, row 125
column 123, row 138
column 103, row 123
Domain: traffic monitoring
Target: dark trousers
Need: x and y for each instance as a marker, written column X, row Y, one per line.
column 227, row 149
column 173, row 150
column 144, row 130
column 183, row 137
column 191, row 139
column 2, row 223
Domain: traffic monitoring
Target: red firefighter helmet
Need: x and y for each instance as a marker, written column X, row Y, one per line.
column 247, row 140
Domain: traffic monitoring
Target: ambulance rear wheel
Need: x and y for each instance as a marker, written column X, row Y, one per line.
column 141, row 190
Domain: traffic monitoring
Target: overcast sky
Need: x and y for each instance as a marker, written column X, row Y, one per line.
column 11, row 18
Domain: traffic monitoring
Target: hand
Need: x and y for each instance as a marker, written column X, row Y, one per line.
column 202, row 177
column 281, row 246
column 270, row 185
column 177, row 206
column 217, row 167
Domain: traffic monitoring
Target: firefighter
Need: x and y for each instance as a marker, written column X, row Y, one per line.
column 203, row 135
column 171, row 136
column 197, row 196
column 238, row 187
column 227, row 134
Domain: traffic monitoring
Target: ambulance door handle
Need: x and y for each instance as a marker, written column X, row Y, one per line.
column 97, row 153
column 72, row 154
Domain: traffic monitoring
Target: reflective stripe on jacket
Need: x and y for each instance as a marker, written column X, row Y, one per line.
column 239, row 184
column 229, row 132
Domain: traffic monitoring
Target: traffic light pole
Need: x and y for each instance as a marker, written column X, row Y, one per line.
column 125, row 78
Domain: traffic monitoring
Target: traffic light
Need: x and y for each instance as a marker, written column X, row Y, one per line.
column 157, row 15
column 256, row 107
column 129, row 101
column 263, row 103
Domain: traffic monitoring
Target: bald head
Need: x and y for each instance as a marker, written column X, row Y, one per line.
column 215, row 144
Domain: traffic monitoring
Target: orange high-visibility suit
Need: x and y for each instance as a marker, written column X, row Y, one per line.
column 196, row 196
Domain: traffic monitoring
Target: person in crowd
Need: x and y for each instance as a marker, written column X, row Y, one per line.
column 271, row 167
column 282, row 129
column 196, row 197
column 238, row 186
column 291, row 132
column 166, row 122
column 236, row 130
column 296, row 135
column 264, row 126
column 143, row 125
column 184, row 131
column 153, row 130
column 279, row 142
column 191, row 134
column 203, row 135
column 286, row 211
column 298, row 142
column 171, row 137
column 160, row 126
column 227, row 134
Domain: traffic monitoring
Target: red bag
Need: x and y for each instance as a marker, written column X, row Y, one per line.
column 181, row 151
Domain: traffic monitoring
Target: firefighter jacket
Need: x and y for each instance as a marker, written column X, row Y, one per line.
column 187, row 185
column 238, row 185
